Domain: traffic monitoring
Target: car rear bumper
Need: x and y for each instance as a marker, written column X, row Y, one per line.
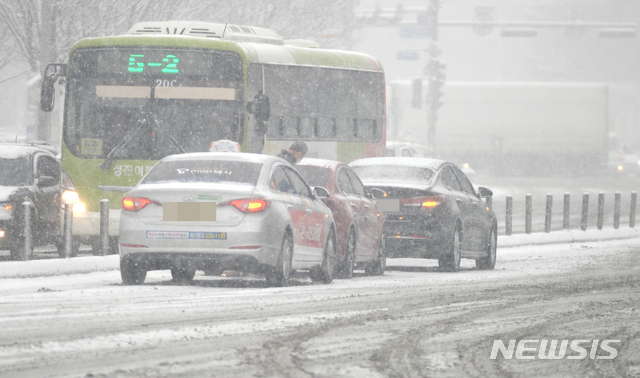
column 416, row 238
column 217, row 261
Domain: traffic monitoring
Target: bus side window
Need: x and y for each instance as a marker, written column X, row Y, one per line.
column 291, row 126
column 325, row 127
column 366, row 129
column 344, row 128
column 308, row 127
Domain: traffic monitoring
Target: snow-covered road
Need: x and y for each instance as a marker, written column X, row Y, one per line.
column 413, row 321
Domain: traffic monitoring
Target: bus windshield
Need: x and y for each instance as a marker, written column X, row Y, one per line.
column 147, row 103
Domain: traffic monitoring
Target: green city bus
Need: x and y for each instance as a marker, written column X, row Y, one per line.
column 172, row 87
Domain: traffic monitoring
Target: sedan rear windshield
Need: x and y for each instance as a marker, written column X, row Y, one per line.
column 14, row 172
column 204, row 171
column 394, row 174
column 315, row 176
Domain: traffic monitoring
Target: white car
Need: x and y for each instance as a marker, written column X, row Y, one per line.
column 404, row 149
column 217, row 211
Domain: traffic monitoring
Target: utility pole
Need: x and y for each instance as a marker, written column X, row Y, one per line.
column 47, row 47
column 435, row 75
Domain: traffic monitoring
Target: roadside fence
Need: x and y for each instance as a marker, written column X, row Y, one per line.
column 584, row 214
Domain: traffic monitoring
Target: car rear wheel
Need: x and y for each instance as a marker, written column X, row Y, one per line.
column 281, row 273
column 489, row 262
column 132, row 272
column 378, row 267
column 324, row 273
column 183, row 274
column 345, row 269
column 451, row 261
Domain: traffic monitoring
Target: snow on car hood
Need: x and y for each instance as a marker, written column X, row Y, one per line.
column 7, row 191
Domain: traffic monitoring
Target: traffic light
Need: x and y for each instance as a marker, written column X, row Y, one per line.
column 437, row 78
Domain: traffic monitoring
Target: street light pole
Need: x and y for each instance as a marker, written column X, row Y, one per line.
column 435, row 75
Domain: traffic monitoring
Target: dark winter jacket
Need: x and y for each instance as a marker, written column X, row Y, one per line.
column 286, row 155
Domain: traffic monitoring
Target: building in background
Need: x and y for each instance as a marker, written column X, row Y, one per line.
column 544, row 43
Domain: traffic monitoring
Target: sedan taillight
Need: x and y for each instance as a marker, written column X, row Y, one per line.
column 136, row 203
column 427, row 201
column 246, row 205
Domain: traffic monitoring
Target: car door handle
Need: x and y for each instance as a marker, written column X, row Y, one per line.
column 289, row 207
column 308, row 211
column 458, row 200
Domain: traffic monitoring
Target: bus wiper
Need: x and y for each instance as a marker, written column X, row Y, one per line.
column 106, row 164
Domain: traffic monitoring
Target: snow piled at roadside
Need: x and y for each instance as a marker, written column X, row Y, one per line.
column 57, row 267
column 88, row 264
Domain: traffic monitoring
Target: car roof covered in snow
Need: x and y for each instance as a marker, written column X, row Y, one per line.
column 14, row 151
column 434, row 164
column 324, row 163
column 227, row 156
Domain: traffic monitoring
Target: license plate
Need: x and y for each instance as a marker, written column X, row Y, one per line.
column 388, row 204
column 189, row 211
column 186, row 235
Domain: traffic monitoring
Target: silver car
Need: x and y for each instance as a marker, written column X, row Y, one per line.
column 217, row 211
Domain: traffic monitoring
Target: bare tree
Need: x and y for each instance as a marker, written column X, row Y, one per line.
column 324, row 21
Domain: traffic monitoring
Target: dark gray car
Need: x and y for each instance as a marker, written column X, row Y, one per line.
column 29, row 173
column 432, row 211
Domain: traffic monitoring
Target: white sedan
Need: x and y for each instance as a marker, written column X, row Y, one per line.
column 217, row 211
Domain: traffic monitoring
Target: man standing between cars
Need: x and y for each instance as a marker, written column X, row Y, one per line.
column 295, row 153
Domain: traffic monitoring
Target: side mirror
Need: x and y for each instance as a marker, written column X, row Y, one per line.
column 484, row 192
column 321, row 192
column 47, row 90
column 46, row 181
column 377, row 193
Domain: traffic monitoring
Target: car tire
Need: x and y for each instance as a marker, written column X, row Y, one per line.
column 489, row 262
column 183, row 274
column 324, row 273
column 451, row 261
column 378, row 267
column 345, row 269
column 132, row 272
column 280, row 275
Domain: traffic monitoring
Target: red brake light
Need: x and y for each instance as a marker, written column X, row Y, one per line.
column 428, row 201
column 246, row 205
column 135, row 203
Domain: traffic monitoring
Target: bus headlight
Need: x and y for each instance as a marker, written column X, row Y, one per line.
column 70, row 197
column 79, row 207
